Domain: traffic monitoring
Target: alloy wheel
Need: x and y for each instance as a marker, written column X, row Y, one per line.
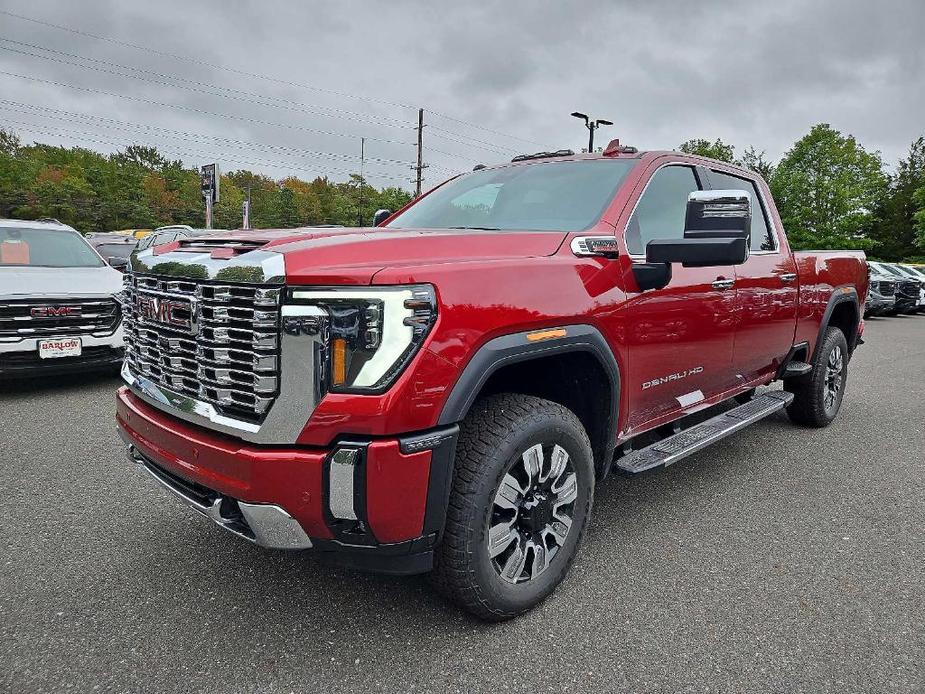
column 834, row 377
column 532, row 513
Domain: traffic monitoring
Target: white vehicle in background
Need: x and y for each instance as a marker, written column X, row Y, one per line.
column 908, row 286
column 59, row 304
column 916, row 274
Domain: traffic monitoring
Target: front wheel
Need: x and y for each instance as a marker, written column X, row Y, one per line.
column 818, row 395
column 522, row 493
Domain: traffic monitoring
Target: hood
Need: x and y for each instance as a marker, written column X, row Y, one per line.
column 353, row 256
column 59, row 281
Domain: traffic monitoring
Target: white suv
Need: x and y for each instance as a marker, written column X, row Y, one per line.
column 59, row 302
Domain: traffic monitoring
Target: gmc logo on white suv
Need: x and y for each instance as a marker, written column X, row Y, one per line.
column 55, row 311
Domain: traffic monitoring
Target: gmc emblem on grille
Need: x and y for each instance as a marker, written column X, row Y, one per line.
column 175, row 313
column 54, row 311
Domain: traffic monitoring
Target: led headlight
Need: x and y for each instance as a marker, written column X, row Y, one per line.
column 373, row 332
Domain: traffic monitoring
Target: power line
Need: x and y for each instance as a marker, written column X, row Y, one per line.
column 184, row 154
column 205, row 63
column 482, row 127
column 239, row 94
column 192, row 109
column 495, row 150
column 47, row 112
column 236, row 94
column 259, row 76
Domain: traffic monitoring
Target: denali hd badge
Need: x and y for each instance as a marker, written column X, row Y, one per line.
column 175, row 313
column 672, row 377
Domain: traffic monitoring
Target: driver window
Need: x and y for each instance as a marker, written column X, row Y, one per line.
column 661, row 209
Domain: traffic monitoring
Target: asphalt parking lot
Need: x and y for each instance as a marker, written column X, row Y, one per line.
column 781, row 560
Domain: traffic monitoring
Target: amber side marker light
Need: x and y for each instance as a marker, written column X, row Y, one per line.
column 546, row 334
column 339, row 362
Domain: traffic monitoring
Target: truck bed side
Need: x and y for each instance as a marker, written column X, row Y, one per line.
column 821, row 275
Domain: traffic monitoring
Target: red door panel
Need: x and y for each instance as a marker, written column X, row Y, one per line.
column 680, row 342
column 766, row 301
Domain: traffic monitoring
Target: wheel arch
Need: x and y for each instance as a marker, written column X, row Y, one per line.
column 842, row 311
column 581, row 373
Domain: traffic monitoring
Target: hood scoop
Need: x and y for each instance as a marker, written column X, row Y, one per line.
column 219, row 248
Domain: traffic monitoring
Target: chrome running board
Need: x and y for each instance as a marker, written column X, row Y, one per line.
column 673, row 448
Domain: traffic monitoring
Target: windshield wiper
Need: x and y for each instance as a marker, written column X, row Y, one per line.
column 478, row 228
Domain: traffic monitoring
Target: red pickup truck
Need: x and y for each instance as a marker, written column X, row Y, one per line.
column 441, row 393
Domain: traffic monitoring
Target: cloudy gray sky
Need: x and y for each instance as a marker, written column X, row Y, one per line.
column 289, row 88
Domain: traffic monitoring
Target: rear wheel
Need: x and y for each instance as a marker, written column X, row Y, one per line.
column 522, row 494
column 818, row 395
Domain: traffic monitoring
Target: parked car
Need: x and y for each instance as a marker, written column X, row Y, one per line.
column 881, row 298
column 174, row 232
column 908, row 289
column 442, row 393
column 911, row 273
column 59, row 308
column 115, row 248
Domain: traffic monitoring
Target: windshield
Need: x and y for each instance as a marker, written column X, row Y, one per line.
column 548, row 196
column 917, row 271
column 45, row 248
column 115, row 250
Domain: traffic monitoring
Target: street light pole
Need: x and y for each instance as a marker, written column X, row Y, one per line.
column 591, row 125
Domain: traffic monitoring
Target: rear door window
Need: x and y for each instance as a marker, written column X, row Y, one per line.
column 762, row 236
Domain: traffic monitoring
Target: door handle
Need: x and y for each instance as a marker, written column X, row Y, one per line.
column 722, row 285
column 787, row 276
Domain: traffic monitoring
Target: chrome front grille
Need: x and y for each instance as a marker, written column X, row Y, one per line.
column 910, row 288
column 215, row 342
column 53, row 317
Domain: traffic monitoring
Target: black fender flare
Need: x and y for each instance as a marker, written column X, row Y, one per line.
column 840, row 295
column 515, row 347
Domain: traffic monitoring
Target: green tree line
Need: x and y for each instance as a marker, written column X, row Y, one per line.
column 139, row 188
column 830, row 190
column 833, row 193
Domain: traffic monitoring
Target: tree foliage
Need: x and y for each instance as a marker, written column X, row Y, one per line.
column 826, row 187
column 140, row 188
column 713, row 150
column 897, row 220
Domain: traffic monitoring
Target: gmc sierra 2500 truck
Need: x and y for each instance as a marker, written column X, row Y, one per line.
column 441, row 393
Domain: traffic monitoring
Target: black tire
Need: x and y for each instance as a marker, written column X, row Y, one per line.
column 494, row 437
column 813, row 404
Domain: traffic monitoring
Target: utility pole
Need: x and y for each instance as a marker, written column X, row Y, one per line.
column 246, row 222
column 209, row 180
column 362, row 166
column 420, row 167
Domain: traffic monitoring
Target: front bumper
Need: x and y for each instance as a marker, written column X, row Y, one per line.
column 384, row 510
column 878, row 304
column 20, row 357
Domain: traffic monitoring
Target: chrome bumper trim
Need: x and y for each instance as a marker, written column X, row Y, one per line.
column 341, row 492
column 266, row 525
column 255, row 267
column 303, row 340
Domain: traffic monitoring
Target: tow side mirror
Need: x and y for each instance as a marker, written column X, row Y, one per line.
column 717, row 231
column 381, row 216
column 118, row 263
